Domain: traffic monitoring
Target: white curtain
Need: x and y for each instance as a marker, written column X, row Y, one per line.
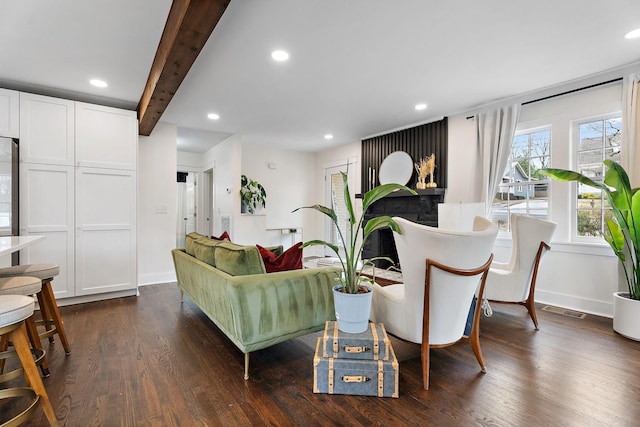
column 630, row 156
column 495, row 135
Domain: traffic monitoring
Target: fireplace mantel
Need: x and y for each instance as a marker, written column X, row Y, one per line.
column 421, row 208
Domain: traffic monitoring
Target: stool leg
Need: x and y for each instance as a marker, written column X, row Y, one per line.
column 19, row 339
column 52, row 309
column 4, row 345
column 46, row 317
column 34, row 338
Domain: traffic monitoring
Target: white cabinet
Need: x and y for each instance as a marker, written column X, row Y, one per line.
column 88, row 213
column 46, row 130
column 47, row 208
column 105, row 137
column 9, row 113
column 105, row 230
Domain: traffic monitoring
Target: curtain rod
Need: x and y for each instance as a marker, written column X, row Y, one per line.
column 567, row 92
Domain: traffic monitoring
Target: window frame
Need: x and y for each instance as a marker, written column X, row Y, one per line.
column 524, row 184
column 573, row 203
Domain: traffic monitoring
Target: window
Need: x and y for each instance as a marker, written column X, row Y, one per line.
column 523, row 190
column 598, row 140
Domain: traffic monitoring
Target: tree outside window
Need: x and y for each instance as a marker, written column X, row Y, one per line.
column 523, row 190
column 598, row 140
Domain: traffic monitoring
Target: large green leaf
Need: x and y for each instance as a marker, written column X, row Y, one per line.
column 347, row 199
column 565, row 175
column 316, row 242
column 380, row 222
column 381, row 191
column 323, row 209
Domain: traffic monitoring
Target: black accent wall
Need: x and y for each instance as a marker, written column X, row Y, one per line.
column 418, row 142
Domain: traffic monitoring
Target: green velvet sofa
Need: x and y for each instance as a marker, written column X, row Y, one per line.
column 254, row 309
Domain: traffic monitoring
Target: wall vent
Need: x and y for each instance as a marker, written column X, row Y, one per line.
column 565, row 312
column 225, row 223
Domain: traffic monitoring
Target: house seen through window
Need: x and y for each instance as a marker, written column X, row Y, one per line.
column 598, row 140
column 523, row 189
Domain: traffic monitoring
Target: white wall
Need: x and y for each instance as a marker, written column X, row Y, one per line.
column 157, row 204
column 289, row 181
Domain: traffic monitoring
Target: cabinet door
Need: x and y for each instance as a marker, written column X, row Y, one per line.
column 47, row 208
column 46, row 130
column 105, row 230
column 9, row 113
column 106, row 137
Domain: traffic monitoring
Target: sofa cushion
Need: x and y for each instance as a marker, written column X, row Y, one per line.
column 291, row 259
column 189, row 239
column 204, row 250
column 238, row 260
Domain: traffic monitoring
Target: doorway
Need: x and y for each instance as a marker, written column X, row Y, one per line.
column 186, row 206
column 334, row 197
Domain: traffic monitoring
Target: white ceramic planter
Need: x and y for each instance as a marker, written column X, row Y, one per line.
column 626, row 316
column 352, row 310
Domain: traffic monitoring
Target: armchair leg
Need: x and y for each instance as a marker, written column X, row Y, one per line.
column 246, row 366
column 424, row 356
column 474, row 342
column 531, row 308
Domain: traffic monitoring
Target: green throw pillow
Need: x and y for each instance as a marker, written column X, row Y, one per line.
column 238, row 260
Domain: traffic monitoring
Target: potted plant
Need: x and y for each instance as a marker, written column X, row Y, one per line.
column 623, row 235
column 352, row 296
column 252, row 194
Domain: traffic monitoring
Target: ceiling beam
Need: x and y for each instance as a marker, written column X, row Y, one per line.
column 188, row 26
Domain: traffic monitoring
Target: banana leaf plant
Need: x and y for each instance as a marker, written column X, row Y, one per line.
column 350, row 256
column 623, row 233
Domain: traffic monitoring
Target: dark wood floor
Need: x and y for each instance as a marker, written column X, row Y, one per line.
column 151, row 361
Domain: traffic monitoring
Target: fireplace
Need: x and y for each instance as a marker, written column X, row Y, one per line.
column 421, row 208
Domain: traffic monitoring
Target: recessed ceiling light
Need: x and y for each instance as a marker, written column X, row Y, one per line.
column 98, row 83
column 328, row 136
column 213, row 116
column 279, row 55
column 420, row 107
column 633, row 34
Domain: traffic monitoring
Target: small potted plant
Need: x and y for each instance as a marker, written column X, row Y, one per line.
column 252, row 194
column 622, row 232
column 353, row 293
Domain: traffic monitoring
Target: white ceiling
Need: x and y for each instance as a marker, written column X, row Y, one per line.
column 356, row 67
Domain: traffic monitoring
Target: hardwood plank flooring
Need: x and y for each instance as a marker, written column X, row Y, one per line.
column 152, row 361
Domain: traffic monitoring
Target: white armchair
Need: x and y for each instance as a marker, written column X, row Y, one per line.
column 441, row 270
column 514, row 282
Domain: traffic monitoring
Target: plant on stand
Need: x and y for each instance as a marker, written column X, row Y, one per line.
column 622, row 232
column 252, row 194
column 352, row 282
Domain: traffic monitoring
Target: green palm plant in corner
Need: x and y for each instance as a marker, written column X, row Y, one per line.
column 350, row 257
column 623, row 233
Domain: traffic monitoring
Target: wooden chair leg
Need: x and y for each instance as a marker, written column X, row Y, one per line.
column 21, row 344
column 531, row 308
column 4, row 345
column 52, row 308
column 46, row 317
column 424, row 357
column 34, row 338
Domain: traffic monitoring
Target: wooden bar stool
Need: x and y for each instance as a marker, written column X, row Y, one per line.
column 27, row 286
column 14, row 310
column 46, row 299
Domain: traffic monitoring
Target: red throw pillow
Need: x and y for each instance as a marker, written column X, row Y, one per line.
column 223, row 236
column 291, row 259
